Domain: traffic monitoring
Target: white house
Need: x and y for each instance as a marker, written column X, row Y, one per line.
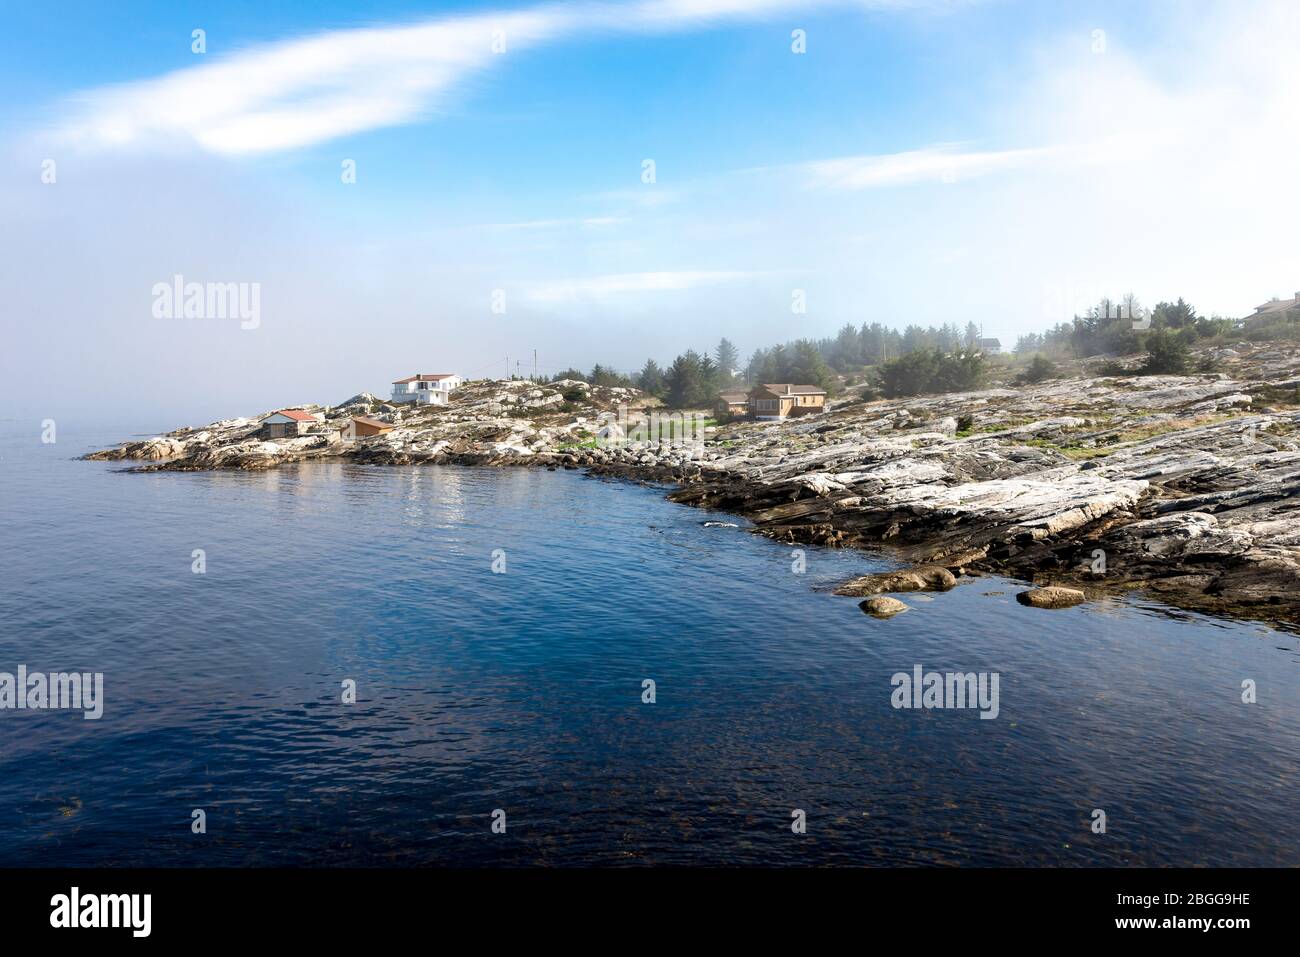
column 425, row 389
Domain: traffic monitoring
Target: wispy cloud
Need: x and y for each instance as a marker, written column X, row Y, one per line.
column 605, row 287
column 295, row 93
column 942, row 163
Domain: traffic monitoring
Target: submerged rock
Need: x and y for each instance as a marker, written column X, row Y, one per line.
column 882, row 607
column 1051, row 596
column 925, row 578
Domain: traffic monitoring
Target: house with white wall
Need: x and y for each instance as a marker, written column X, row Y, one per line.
column 424, row 389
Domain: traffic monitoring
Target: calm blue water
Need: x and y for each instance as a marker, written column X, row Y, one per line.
column 522, row 691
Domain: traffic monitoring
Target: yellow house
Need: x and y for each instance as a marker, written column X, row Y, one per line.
column 733, row 403
column 780, row 400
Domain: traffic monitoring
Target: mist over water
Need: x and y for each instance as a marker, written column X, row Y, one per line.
column 523, row 691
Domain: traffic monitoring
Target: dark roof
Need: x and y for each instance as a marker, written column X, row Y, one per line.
column 1278, row 305
column 737, row 395
column 367, row 420
column 786, row 388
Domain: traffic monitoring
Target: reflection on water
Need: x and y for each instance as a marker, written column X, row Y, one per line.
column 523, row 690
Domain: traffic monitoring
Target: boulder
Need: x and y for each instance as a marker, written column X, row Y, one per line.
column 1051, row 596
column 882, row 607
column 922, row 578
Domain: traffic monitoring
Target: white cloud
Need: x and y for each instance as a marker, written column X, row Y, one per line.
column 297, row 92
column 943, row 163
column 294, row 93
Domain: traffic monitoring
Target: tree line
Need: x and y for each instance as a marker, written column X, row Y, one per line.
column 944, row 358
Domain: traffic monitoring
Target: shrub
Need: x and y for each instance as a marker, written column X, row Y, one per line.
column 1040, row 370
column 1166, row 354
column 930, row 370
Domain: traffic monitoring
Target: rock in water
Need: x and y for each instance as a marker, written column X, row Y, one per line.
column 925, row 578
column 1053, row 596
column 937, row 578
column 883, row 607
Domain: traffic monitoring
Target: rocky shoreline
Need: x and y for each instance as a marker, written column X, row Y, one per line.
column 1185, row 488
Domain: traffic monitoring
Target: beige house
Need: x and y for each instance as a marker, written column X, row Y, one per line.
column 733, row 403
column 1278, row 305
column 783, row 399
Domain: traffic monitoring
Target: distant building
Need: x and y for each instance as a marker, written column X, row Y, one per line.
column 1278, row 305
column 733, row 402
column 780, row 400
column 993, row 346
column 426, row 389
column 288, row 423
column 362, row 426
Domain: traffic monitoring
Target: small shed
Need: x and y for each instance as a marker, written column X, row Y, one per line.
column 361, row 426
column 287, row 423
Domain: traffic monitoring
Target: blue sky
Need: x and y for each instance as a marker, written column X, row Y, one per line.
column 1001, row 162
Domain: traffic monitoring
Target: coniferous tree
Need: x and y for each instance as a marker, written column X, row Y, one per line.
column 805, row 366
column 685, row 382
column 1166, row 354
column 710, row 379
column 651, row 379
column 728, row 359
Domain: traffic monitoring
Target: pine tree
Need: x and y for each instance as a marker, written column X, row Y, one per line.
column 1166, row 354
column 651, row 379
column 728, row 359
column 683, row 381
column 808, row 367
column 710, row 381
